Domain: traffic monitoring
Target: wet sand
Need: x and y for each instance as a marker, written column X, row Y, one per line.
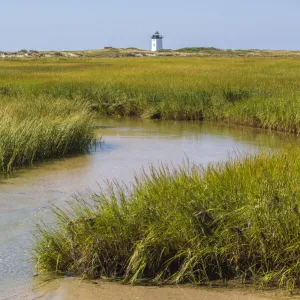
column 74, row 289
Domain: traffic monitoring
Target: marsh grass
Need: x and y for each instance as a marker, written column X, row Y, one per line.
column 257, row 92
column 37, row 129
column 238, row 219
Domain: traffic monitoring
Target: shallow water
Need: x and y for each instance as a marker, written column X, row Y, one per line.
column 129, row 145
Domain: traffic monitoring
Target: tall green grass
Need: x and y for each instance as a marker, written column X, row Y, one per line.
column 238, row 219
column 37, row 129
column 257, row 92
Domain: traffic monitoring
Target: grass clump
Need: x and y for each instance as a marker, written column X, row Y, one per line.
column 238, row 219
column 39, row 129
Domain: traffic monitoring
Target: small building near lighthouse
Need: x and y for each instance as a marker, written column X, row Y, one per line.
column 157, row 41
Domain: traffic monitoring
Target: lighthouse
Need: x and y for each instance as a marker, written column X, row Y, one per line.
column 157, row 41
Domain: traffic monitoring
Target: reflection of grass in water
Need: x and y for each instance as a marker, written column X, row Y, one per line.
column 236, row 220
column 38, row 129
column 259, row 92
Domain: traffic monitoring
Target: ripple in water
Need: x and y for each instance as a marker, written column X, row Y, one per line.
column 15, row 262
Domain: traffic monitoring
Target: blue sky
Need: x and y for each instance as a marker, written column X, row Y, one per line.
column 92, row 24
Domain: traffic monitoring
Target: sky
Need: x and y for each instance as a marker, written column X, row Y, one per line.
column 93, row 24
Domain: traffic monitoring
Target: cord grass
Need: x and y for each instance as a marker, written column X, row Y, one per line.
column 38, row 129
column 256, row 92
column 234, row 220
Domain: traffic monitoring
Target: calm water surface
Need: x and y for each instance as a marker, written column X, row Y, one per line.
column 129, row 145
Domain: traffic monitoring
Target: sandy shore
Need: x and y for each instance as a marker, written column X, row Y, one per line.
column 74, row 289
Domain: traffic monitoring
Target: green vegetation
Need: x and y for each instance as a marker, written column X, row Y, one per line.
column 37, row 129
column 238, row 219
column 198, row 49
column 258, row 92
column 235, row 220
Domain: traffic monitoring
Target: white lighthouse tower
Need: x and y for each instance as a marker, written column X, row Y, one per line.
column 157, row 41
